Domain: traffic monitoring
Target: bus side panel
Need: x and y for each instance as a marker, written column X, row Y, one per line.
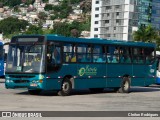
column 139, row 73
column 115, row 73
column 91, row 76
column 53, row 84
column 55, row 79
column 150, row 74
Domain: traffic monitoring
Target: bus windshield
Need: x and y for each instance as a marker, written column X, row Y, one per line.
column 25, row 58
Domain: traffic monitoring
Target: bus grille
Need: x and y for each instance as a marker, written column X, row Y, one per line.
column 21, row 81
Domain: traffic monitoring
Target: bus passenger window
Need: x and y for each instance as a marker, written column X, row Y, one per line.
column 112, row 54
column 84, row 53
column 69, row 53
column 67, row 57
column 138, row 55
column 73, row 59
column 99, row 54
column 149, row 55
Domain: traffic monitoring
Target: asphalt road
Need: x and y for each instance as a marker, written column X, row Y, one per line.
column 139, row 99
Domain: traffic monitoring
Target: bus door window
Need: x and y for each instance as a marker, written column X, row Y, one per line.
column 54, row 54
column 149, row 55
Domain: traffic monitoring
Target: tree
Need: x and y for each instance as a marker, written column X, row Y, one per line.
column 13, row 3
column 48, row 7
column 75, row 33
column 67, row 29
column 145, row 34
column 61, row 29
column 42, row 16
column 45, row 1
column 86, row 6
column 34, row 30
column 28, row 2
column 12, row 25
column 16, row 9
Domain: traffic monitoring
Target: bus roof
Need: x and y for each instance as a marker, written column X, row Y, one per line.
column 51, row 37
column 97, row 41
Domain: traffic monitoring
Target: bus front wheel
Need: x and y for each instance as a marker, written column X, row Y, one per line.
column 66, row 88
column 125, row 85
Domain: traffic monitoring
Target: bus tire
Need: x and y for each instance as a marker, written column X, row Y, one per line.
column 125, row 85
column 96, row 90
column 34, row 92
column 66, row 88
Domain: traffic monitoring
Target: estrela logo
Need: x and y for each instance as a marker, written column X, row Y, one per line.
column 87, row 71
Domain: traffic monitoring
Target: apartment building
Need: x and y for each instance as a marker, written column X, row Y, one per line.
column 117, row 19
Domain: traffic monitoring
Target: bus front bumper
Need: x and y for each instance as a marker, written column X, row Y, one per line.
column 12, row 84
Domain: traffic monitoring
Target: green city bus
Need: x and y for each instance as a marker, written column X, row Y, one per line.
column 62, row 64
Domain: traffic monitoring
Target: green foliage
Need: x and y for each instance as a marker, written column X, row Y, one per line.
column 28, row 2
column 46, row 31
column 42, row 16
column 52, row 17
column 48, row 7
column 62, row 10
column 75, row 1
column 86, row 25
column 34, row 30
column 145, row 34
column 74, row 29
column 11, row 25
column 45, row 1
column 86, row 6
column 158, row 43
column 64, row 28
column 16, row 9
column 12, row 3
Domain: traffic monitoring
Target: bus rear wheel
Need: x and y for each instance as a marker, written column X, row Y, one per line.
column 125, row 85
column 66, row 88
column 34, row 92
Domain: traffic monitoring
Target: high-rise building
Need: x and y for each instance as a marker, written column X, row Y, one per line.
column 117, row 19
column 155, row 16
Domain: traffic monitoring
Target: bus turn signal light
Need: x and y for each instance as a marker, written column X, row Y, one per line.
column 40, row 81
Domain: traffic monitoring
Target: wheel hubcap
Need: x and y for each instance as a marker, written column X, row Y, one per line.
column 126, row 85
column 65, row 86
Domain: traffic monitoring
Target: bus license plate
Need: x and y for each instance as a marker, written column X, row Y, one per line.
column 33, row 85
